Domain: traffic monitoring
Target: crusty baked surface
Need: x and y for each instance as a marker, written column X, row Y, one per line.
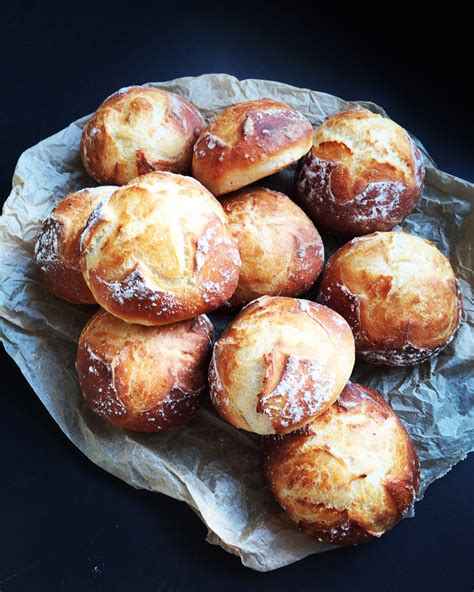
column 363, row 173
column 144, row 378
column 281, row 250
column 399, row 294
column 348, row 476
column 57, row 249
column 280, row 363
column 139, row 130
column 159, row 251
column 247, row 142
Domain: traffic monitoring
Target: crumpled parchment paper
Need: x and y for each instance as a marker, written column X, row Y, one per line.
column 210, row 465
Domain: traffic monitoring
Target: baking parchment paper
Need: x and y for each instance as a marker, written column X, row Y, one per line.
column 210, row 465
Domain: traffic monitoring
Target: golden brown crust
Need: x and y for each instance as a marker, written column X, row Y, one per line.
column 147, row 379
column 247, row 142
column 363, row 174
column 348, row 476
column 280, row 363
column 57, row 249
column 398, row 293
column 160, row 251
column 281, row 251
column 139, row 130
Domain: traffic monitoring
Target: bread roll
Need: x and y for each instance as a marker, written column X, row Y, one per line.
column 57, row 248
column 279, row 364
column 398, row 293
column 160, row 251
column 362, row 174
column 247, row 142
column 281, row 251
column 348, row 476
column 138, row 130
column 147, row 379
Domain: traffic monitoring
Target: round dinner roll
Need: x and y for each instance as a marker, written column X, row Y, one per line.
column 57, row 248
column 362, row 174
column 247, row 142
column 279, row 364
column 138, row 130
column 399, row 295
column 160, row 251
column 349, row 475
column 147, row 379
column 281, row 251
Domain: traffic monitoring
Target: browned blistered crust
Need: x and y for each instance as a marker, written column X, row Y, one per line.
column 398, row 293
column 247, row 142
column 57, row 250
column 281, row 251
column 140, row 378
column 139, row 130
column 281, row 362
column 348, row 476
column 362, row 174
column 160, row 251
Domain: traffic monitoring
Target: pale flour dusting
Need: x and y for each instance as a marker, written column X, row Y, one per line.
column 202, row 251
column 134, row 287
column 378, row 202
column 213, row 141
column 305, row 305
column 407, row 355
column 47, row 245
column 97, row 214
column 108, row 404
column 305, row 386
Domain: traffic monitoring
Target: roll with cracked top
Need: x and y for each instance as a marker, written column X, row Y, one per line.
column 57, row 249
column 147, row 379
column 159, row 250
column 138, row 130
column 362, row 174
column 281, row 251
column 349, row 475
column 247, row 142
column 279, row 364
column 398, row 293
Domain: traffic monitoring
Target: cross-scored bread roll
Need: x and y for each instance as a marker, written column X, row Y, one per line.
column 398, row 293
column 281, row 251
column 363, row 173
column 138, row 130
column 279, row 364
column 247, row 142
column 348, row 476
column 147, row 379
column 160, row 251
column 57, row 249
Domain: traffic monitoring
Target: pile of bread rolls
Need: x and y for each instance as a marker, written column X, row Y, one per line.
column 157, row 251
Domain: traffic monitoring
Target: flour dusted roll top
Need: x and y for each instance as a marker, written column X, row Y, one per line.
column 147, row 379
column 159, row 251
column 247, row 142
column 279, row 364
column 363, row 173
column 57, row 249
column 281, row 250
column 138, row 130
column 349, row 475
column 398, row 293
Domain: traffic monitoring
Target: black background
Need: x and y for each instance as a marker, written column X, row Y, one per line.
column 64, row 523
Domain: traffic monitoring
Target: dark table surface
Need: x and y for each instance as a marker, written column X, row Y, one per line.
column 65, row 523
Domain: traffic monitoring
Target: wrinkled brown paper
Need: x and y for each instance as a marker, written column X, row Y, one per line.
column 210, row 465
